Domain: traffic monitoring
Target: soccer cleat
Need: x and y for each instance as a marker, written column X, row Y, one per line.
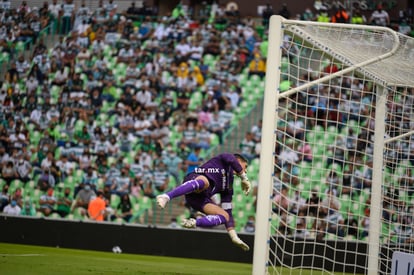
column 241, row 244
column 189, row 223
column 162, row 200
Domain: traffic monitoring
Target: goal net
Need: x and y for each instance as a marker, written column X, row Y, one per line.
column 336, row 185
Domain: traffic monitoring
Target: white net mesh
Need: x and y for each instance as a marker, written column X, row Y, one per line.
column 331, row 79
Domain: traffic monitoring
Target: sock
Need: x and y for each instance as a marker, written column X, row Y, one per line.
column 186, row 187
column 210, row 220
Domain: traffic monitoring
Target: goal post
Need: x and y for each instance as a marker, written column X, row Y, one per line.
column 270, row 105
column 337, row 117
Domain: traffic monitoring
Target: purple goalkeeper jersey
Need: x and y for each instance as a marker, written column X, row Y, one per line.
column 219, row 171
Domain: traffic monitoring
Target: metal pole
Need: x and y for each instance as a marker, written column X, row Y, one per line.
column 265, row 190
column 376, row 188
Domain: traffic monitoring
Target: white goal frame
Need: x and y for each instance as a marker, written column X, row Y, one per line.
column 270, row 118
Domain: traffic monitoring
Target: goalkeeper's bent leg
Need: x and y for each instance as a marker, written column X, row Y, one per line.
column 187, row 187
column 211, row 220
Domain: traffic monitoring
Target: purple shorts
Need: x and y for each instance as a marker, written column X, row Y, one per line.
column 198, row 200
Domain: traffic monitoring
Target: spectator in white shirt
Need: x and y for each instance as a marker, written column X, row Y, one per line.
column 31, row 84
column 65, row 165
column 18, row 139
column 23, row 168
column 5, row 5
column 12, row 209
column 47, row 161
column 61, row 77
column 53, row 114
column 182, row 49
column 55, row 8
column 142, row 123
column 125, row 54
column 22, row 66
column 160, row 31
column 234, row 98
column 112, row 146
column 380, row 17
column 144, row 96
column 97, row 46
column 110, row 7
column 288, row 156
column 196, row 51
column 35, row 115
column 85, row 160
column 4, row 156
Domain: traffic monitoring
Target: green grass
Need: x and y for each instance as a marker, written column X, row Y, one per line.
column 23, row 259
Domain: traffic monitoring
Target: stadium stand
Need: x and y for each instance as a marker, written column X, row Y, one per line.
column 108, row 96
column 120, row 91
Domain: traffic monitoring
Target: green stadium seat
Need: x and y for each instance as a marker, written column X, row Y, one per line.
column 78, row 175
column 209, row 60
column 346, row 204
column 35, row 196
column 15, row 184
column 241, row 217
column 101, row 119
column 257, row 92
column 220, row 27
column 106, row 106
column 54, row 216
column 255, row 80
column 239, row 199
column 20, row 46
column 172, row 183
column 30, row 185
column 244, row 108
column 214, row 140
column 39, row 214
column 78, row 214
column 120, row 69
column 4, row 57
column 114, row 201
column 35, row 137
column 70, row 182
column 305, row 169
column 275, row 222
column 119, row 221
column 242, row 79
column 249, row 208
column 358, row 208
column 330, row 236
column 256, row 164
column 145, row 203
column 195, row 100
column 285, row 64
column 58, row 152
column 79, row 125
column 100, row 184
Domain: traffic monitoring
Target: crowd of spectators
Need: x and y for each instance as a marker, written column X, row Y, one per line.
column 339, row 14
column 326, row 137
column 342, row 115
column 123, row 104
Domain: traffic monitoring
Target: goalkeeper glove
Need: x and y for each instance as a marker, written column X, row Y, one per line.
column 245, row 183
column 237, row 241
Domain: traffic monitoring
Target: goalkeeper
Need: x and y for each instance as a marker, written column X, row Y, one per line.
column 213, row 177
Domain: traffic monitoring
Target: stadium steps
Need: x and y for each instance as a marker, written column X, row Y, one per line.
column 234, row 136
